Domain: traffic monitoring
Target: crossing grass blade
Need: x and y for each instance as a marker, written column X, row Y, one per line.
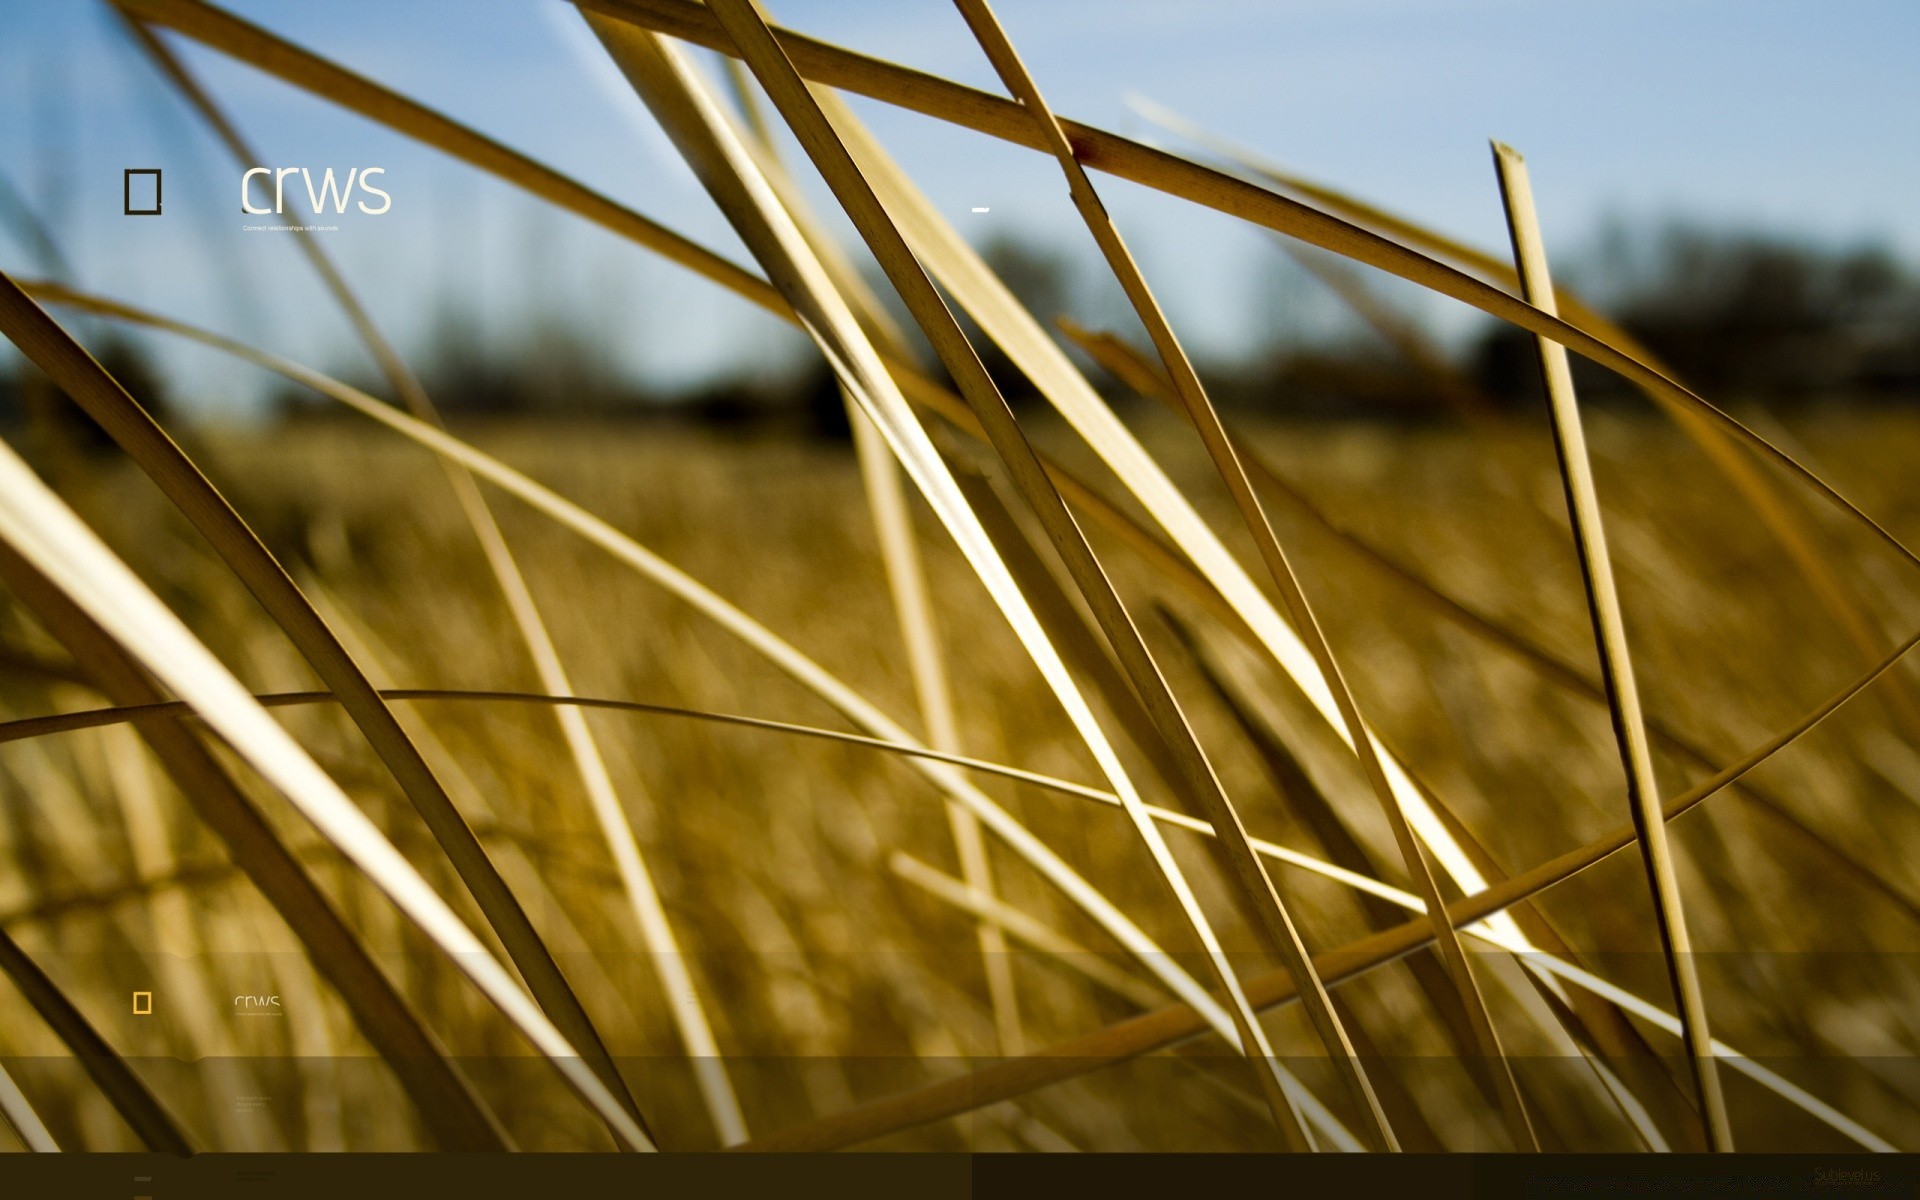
column 131, row 1097
column 779, row 652
column 443, row 1099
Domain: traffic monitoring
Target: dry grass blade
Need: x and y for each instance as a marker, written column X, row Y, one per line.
column 79, row 376
column 130, row 1097
column 444, row 1099
column 1785, row 524
column 1126, row 364
column 899, row 550
column 776, row 650
column 1404, row 938
column 961, row 105
column 676, row 984
column 20, row 1117
column 817, row 136
column 251, row 44
column 1066, row 620
column 1126, row 159
column 1407, row 937
column 1025, row 928
column 719, row 158
column 964, row 106
column 1210, row 572
column 1220, row 448
column 1616, row 661
column 1176, row 1023
column 45, row 533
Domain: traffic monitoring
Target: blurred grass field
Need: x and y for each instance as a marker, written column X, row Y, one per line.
column 830, row 978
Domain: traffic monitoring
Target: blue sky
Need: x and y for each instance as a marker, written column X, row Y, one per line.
column 1796, row 117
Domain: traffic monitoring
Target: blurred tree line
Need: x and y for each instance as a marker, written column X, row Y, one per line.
column 1741, row 316
column 1735, row 315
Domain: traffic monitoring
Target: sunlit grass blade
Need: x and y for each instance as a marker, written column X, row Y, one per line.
column 1616, row 661
column 1246, row 605
column 444, row 1100
column 1025, row 928
column 18, row 1113
column 1127, row 159
column 1371, row 952
column 588, row 761
column 1176, row 1023
column 102, row 398
column 1220, row 448
column 45, row 533
column 1786, row 525
column 782, row 654
column 970, row 108
column 1126, row 364
column 1472, row 909
column 131, row 1097
column 730, row 175
column 817, row 136
column 907, row 582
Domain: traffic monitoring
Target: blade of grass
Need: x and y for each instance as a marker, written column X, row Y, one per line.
column 677, row 986
column 1469, row 913
column 963, row 106
column 816, row 134
column 1176, row 1023
column 1295, row 789
column 1616, row 661
column 45, row 533
column 1173, row 356
column 1785, row 525
column 899, row 552
column 453, row 1114
column 996, row 310
column 18, row 1113
column 729, row 174
column 782, row 654
column 1025, row 928
column 131, row 1097
column 611, row 540
column 1262, row 726
column 1126, row 364
column 1516, row 891
column 1125, row 159
column 80, row 377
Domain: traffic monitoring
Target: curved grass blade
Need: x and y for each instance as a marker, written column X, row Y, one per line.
column 1126, row 364
column 1200, row 410
column 1175, row 1023
column 18, row 1113
column 805, row 117
column 79, row 376
column 1786, row 525
column 689, row 116
column 782, row 654
column 452, row 1113
column 960, row 105
column 133, row 1100
column 1387, row 946
column 1126, row 159
column 47, row 534
column 880, row 477
column 683, row 998
column 1025, row 928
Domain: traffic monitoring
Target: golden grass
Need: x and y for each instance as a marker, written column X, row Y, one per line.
column 761, row 931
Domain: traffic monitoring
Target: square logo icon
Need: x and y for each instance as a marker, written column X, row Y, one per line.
column 127, row 192
column 143, row 1004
